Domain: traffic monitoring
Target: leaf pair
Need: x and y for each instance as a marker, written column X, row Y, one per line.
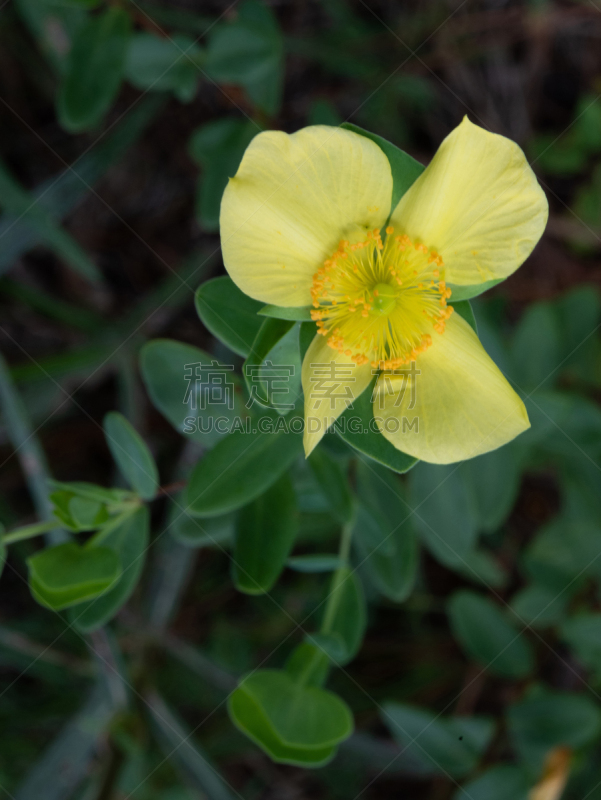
column 102, row 573
column 293, row 723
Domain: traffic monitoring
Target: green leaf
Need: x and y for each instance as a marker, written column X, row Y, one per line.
column 60, row 194
column 196, row 532
column 548, row 719
column 583, row 634
column 494, row 481
column 563, row 554
column 579, row 313
column 218, row 147
column 461, row 293
column 487, row 635
column 91, row 491
column 451, row 745
column 308, row 665
column 324, row 112
column 67, row 574
column 157, row 63
column 131, row 455
column 384, row 535
column 445, row 516
column 300, row 313
column 465, row 310
column 190, row 388
column 272, row 371
column 333, row 483
column 315, row 562
column 308, row 331
column 356, row 427
column 77, row 513
column 240, row 468
column 129, row 540
column 480, row 566
column 497, row 783
column 229, row 314
column 250, row 53
column 87, row 513
column 346, row 619
column 536, row 346
column 539, row 607
column 19, row 203
column 293, row 724
column 84, row 506
column 265, row 533
column 45, row 19
column 94, row 71
column 405, row 169
column 179, row 748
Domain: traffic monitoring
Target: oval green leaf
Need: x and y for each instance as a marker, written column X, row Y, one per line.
column 356, row 427
column 301, row 313
column 240, row 468
column 444, row 512
column 346, row 619
column 548, row 719
column 405, row 169
column 265, row 533
column 384, row 535
column 294, row 724
column 180, row 380
column 129, row 540
column 131, row 455
column 451, row 745
column 272, row 371
column 487, row 636
column 68, row 574
column 195, row 532
column 229, row 314
column 333, row 483
column 94, row 70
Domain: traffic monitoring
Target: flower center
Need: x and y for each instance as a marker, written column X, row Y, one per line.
column 380, row 302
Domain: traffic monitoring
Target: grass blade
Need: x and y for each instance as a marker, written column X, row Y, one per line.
column 27, row 449
column 58, row 196
column 18, row 202
column 177, row 745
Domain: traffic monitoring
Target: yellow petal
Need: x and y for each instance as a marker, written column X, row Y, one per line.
column 291, row 202
column 331, row 382
column 461, row 405
column 478, row 204
column 555, row 775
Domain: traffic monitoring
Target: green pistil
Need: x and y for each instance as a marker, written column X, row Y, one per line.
column 385, row 299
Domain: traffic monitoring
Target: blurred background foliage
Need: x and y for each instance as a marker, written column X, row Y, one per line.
column 121, row 123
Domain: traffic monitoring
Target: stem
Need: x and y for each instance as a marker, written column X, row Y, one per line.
column 338, row 579
column 27, row 532
column 110, row 526
column 27, row 449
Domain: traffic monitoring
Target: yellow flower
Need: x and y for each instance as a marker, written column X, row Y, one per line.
column 307, row 221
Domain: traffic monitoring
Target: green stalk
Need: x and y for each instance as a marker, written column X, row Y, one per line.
column 27, row 449
column 338, row 578
column 27, row 532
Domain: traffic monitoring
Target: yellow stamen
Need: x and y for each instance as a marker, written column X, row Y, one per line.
column 397, row 288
